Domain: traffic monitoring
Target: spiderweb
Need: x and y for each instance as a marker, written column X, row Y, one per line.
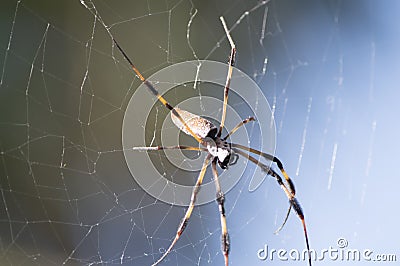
column 328, row 69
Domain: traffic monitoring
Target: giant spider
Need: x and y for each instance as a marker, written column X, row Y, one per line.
column 219, row 151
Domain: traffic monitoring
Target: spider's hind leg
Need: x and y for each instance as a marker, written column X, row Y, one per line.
column 221, row 201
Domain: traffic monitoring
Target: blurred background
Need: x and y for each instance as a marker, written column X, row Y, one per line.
column 329, row 69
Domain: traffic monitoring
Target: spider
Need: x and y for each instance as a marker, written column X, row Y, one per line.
column 219, row 151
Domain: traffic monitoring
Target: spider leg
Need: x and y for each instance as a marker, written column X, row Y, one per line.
column 280, row 166
column 221, row 201
column 159, row 148
column 284, row 221
column 229, row 75
column 238, row 126
column 292, row 200
column 154, row 91
column 188, row 213
column 273, row 159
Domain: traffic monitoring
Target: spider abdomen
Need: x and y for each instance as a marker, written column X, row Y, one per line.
column 200, row 126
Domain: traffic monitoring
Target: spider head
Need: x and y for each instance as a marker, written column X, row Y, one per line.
column 225, row 162
column 221, row 149
column 229, row 160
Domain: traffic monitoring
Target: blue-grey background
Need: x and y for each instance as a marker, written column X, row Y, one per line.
column 332, row 79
